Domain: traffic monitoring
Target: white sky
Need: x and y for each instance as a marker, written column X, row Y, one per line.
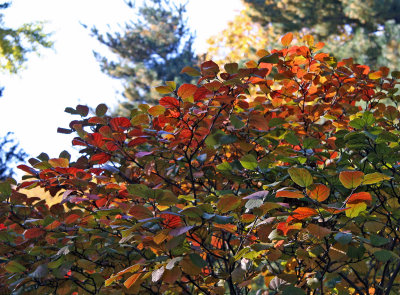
column 33, row 102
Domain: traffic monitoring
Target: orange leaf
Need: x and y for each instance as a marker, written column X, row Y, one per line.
column 375, row 75
column 304, row 212
column 187, row 91
column 71, row 218
column 351, row 179
column 100, row 158
column 53, row 225
column 288, row 192
column 359, row 197
column 287, row 39
column 132, row 280
column 319, row 192
column 285, row 227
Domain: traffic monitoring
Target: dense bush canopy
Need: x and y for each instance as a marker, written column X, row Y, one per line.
column 280, row 177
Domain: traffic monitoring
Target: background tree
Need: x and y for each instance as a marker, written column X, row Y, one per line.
column 10, row 154
column 15, row 46
column 367, row 30
column 150, row 50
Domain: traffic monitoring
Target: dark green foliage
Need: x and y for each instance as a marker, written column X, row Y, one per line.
column 151, row 49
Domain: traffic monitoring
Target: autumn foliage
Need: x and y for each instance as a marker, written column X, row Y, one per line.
column 278, row 178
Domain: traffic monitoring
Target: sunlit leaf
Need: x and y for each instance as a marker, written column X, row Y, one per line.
column 351, row 179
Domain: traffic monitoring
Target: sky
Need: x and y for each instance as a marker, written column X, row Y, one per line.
column 33, row 102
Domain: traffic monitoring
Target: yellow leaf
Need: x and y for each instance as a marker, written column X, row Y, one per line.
column 355, row 209
column 375, row 75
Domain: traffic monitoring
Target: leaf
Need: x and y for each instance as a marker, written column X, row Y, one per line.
column 157, row 274
column 292, row 290
column 249, row 162
column 132, row 280
column 169, row 102
column 383, row 255
column 53, row 225
column 355, row 209
column 231, row 68
column 14, row 267
column 140, row 212
column 120, row 123
column 59, row 162
column 228, row 203
column 172, row 262
column 289, row 193
column 101, row 110
column 40, row 272
column 359, row 197
column 378, row 241
column 272, row 59
column 287, row 39
column 224, row 166
column 375, row 177
column 343, row 238
column 351, row 179
column 190, row 71
column 180, row 230
column 375, row 75
column 163, row 89
column 197, row 260
column 318, row 231
column 33, row 233
column 300, row 176
column 304, row 212
column 71, row 218
column 318, row 191
column 186, row 91
column 284, row 227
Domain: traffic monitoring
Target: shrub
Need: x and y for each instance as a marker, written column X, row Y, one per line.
column 279, row 177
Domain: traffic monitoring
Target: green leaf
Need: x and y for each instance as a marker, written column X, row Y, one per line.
column 356, row 253
column 224, row 166
column 343, row 238
column 5, row 190
column 249, row 162
column 236, row 122
column 357, row 123
column 197, row 260
column 375, row 177
column 14, row 267
column 291, row 138
column 378, row 241
column 300, row 176
column 292, row 290
column 271, row 59
column 383, row 255
column 101, row 110
column 231, row 68
column 276, row 122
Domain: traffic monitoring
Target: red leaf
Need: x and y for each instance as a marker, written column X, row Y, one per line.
column 359, row 197
column 120, row 123
column 27, row 169
column 95, row 139
column 53, row 225
column 140, row 212
column 202, row 93
column 169, row 102
column 100, row 158
column 170, row 220
column 209, row 68
column 33, row 233
column 71, row 218
column 137, row 141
